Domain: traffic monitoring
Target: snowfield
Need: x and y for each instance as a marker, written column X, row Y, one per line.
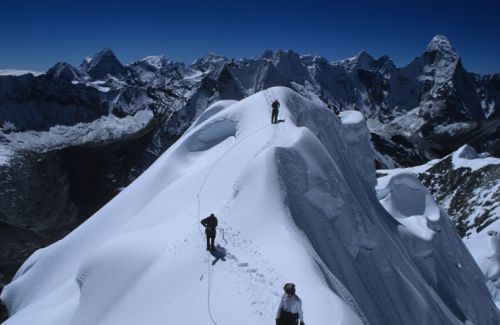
column 296, row 202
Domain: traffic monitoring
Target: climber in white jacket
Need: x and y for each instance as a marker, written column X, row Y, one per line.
column 290, row 308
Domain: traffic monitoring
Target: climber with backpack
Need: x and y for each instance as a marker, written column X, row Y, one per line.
column 274, row 113
column 210, row 224
column 290, row 308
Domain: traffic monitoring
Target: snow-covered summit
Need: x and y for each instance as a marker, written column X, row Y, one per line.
column 440, row 43
column 296, row 202
column 157, row 61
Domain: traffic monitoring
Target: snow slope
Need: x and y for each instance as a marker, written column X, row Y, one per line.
column 295, row 201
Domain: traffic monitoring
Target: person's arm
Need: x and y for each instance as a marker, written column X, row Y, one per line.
column 299, row 309
column 204, row 222
column 278, row 313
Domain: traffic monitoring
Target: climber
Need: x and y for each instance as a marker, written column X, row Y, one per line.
column 210, row 223
column 290, row 308
column 274, row 115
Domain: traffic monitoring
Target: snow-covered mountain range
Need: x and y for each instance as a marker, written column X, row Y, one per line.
column 425, row 109
column 296, row 202
column 76, row 136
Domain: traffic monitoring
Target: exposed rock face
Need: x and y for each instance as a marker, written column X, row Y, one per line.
column 104, row 64
column 65, row 71
column 45, row 195
column 38, row 103
column 469, row 196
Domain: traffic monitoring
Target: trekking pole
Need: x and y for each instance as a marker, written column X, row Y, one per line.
column 223, row 236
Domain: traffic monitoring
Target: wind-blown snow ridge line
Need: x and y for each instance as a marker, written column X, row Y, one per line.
column 199, row 206
column 337, row 286
column 341, row 290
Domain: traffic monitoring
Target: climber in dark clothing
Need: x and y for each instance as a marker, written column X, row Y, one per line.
column 210, row 223
column 274, row 114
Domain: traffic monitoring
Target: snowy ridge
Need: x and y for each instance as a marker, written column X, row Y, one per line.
column 304, row 185
column 467, row 157
column 106, row 128
column 440, row 43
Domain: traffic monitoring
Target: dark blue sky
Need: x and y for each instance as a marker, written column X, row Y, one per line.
column 37, row 34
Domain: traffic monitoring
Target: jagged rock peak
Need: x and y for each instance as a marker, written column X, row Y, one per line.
column 363, row 55
column 362, row 60
column 385, row 62
column 210, row 61
column 309, row 60
column 104, row 54
column 63, row 70
column 210, row 57
column 268, row 54
column 104, row 63
column 440, row 43
column 287, row 53
column 286, row 56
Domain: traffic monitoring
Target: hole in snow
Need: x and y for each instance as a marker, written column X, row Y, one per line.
column 211, row 135
column 408, row 195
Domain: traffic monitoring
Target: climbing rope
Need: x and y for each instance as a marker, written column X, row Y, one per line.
column 268, row 98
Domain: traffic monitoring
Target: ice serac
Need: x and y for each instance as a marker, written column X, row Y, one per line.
column 297, row 203
column 466, row 184
column 396, row 276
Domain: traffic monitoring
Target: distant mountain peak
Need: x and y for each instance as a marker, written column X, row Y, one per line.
column 64, row 70
column 211, row 56
column 210, row 61
column 157, row 61
column 268, row 54
column 440, row 43
column 286, row 52
column 363, row 55
column 103, row 63
column 362, row 60
column 105, row 53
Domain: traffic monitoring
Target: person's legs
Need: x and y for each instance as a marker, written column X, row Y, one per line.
column 208, row 243
column 212, row 243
